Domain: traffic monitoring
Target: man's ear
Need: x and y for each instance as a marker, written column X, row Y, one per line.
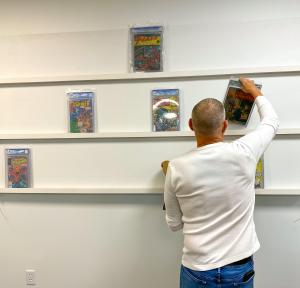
column 225, row 125
column 191, row 124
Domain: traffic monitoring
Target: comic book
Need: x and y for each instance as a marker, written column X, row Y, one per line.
column 238, row 104
column 259, row 174
column 165, row 110
column 164, row 168
column 81, row 111
column 18, row 168
column 146, row 49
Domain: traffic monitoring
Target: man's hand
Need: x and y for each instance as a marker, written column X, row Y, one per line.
column 248, row 86
column 164, row 166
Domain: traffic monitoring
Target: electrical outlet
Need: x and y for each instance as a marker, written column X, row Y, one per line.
column 30, row 277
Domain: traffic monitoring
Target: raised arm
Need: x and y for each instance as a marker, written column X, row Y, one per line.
column 256, row 142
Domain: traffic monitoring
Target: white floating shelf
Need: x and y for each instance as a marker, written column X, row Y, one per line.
column 152, row 75
column 278, row 192
column 124, row 191
column 83, row 190
column 113, row 135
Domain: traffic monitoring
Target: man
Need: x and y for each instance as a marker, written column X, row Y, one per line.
column 209, row 193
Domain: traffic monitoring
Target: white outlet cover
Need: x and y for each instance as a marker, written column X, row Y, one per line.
column 30, row 277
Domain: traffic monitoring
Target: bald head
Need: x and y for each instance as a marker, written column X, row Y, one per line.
column 208, row 116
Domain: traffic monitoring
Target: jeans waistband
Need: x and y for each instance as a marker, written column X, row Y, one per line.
column 243, row 261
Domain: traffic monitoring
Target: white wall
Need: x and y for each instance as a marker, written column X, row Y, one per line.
column 121, row 240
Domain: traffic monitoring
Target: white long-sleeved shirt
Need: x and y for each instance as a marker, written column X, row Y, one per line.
column 209, row 192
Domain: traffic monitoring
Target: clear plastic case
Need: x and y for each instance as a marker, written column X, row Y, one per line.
column 237, row 103
column 146, row 49
column 259, row 174
column 81, row 111
column 18, row 168
column 166, row 114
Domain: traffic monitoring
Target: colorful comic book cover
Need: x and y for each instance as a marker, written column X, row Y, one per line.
column 81, row 112
column 147, row 49
column 18, row 168
column 238, row 104
column 259, row 174
column 165, row 110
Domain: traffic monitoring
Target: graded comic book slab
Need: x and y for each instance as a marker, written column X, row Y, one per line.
column 146, row 49
column 18, row 168
column 237, row 103
column 165, row 110
column 259, row 174
column 81, row 111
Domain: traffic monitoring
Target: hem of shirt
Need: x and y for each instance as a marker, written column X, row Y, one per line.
column 227, row 261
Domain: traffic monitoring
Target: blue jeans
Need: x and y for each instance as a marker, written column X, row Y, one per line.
column 229, row 276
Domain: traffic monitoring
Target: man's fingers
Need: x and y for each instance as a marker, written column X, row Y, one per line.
column 246, row 83
column 249, row 86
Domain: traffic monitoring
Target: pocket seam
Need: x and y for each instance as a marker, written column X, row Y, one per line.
column 239, row 284
column 194, row 278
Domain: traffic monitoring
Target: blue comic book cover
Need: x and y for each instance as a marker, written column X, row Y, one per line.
column 165, row 110
column 81, row 112
column 18, row 168
column 147, row 49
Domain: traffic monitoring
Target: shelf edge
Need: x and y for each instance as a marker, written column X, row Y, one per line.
column 127, row 191
column 152, row 75
column 111, row 135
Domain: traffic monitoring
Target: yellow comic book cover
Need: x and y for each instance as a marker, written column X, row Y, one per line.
column 81, row 112
column 259, row 174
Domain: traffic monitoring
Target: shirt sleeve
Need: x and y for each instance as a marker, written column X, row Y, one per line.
column 173, row 211
column 257, row 141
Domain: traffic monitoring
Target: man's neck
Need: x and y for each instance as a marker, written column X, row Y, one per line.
column 203, row 140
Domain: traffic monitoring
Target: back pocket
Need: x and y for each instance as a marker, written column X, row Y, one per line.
column 247, row 281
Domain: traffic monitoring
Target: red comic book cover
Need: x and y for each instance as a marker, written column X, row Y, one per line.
column 238, row 104
column 18, row 168
column 147, row 49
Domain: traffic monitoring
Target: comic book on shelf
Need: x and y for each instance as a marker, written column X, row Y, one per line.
column 238, row 104
column 81, row 111
column 259, row 174
column 146, row 49
column 165, row 110
column 18, row 168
